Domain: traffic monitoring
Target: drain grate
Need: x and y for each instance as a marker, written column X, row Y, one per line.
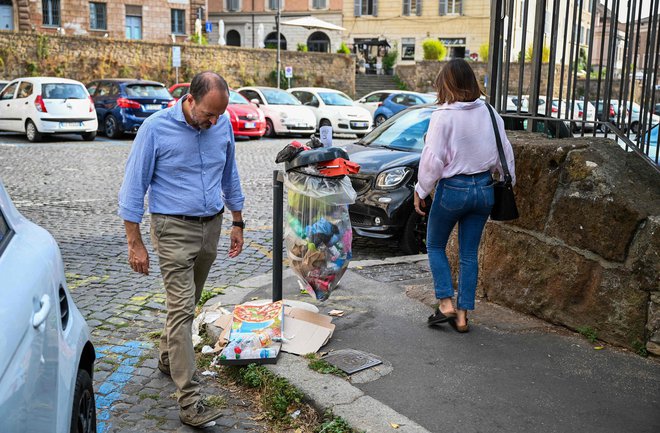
column 351, row 361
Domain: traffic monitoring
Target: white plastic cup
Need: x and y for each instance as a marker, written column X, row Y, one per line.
column 326, row 136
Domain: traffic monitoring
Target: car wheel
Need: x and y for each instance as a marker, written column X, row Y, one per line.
column 604, row 129
column 111, row 127
column 379, row 119
column 32, row 132
column 83, row 413
column 88, row 136
column 270, row 129
column 413, row 237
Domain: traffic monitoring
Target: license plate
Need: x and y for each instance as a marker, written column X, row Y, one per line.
column 153, row 106
column 301, row 125
column 70, row 124
column 360, row 124
column 250, row 125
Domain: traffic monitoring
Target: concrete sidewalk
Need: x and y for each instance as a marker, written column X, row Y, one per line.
column 510, row 373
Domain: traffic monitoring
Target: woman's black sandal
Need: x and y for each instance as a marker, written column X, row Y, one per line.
column 462, row 329
column 439, row 317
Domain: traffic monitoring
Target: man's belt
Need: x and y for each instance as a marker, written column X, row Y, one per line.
column 197, row 219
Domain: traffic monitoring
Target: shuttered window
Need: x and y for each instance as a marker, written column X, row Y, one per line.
column 451, row 7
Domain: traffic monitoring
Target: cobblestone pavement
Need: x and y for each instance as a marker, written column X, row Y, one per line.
column 70, row 188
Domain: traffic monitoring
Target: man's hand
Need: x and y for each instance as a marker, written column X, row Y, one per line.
column 235, row 241
column 419, row 204
column 138, row 257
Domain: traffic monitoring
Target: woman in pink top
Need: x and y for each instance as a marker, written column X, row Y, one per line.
column 459, row 155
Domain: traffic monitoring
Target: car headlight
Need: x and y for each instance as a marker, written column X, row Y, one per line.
column 393, row 177
column 283, row 115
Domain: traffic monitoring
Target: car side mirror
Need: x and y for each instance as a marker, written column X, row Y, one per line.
column 255, row 101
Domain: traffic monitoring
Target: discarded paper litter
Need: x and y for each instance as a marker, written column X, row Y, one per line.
column 301, row 331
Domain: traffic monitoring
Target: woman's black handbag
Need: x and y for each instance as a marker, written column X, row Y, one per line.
column 505, row 208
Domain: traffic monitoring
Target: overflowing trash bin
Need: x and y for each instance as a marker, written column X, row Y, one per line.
column 317, row 227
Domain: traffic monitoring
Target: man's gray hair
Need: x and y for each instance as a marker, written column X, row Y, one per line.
column 204, row 82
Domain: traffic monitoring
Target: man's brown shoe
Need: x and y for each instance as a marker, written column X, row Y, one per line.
column 199, row 414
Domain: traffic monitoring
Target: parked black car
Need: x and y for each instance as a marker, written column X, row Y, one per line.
column 389, row 160
column 122, row 104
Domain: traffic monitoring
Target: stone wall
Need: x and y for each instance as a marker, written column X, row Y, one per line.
column 586, row 249
column 87, row 58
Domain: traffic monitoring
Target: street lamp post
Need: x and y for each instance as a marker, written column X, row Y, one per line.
column 277, row 25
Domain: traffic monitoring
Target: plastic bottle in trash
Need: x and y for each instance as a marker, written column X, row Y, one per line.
column 239, row 348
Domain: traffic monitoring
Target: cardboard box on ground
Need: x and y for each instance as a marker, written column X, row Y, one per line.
column 303, row 331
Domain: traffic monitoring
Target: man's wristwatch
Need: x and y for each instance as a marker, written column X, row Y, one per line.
column 240, row 224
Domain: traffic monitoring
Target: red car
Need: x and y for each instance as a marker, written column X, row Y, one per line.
column 247, row 120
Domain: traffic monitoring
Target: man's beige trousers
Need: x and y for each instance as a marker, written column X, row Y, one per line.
column 186, row 250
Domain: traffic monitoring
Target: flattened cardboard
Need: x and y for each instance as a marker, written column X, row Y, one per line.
column 305, row 332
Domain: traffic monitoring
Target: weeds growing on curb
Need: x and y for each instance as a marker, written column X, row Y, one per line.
column 588, row 332
column 640, row 348
column 323, row 367
column 278, row 395
column 334, row 424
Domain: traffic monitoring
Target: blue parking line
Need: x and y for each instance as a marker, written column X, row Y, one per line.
column 109, row 392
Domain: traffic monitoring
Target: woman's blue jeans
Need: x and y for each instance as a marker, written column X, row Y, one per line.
column 466, row 200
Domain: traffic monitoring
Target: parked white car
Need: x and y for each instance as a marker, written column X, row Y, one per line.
column 578, row 113
column 47, row 105
column 372, row 101
column 284, row 113
column 47, row 358
column 333, row 108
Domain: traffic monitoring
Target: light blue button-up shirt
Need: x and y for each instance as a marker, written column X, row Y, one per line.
column 186, row 171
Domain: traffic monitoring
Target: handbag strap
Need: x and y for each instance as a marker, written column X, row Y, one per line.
column 500, row 150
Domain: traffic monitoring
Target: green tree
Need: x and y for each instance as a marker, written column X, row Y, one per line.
column 545, row 56
column 483, row 52
column 302, row 47
column 434, row 50
column 343, row 49
column 389, row 59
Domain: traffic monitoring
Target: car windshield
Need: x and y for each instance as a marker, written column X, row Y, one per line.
column 279, row 97
column 63, row 91
column 237, row 98
column 405, row 131
column 429, row 99
column 332, row 98
column 147, row 91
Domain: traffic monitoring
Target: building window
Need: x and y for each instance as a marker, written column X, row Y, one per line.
column 451, row 7
column 412, row 7
column 133, row 22
column 318, row 42
column 51, row 12
column 365, row 7
column 408, row 49
column 178, row 21
column 319, row 4
column 235, row 5
column 272, row 4
column 271, row 41
column 233, row 38
column 97, row 16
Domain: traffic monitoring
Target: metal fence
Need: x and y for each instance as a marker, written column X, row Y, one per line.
column 592, row 66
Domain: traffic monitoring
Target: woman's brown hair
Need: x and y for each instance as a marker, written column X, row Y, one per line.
column 456, row 82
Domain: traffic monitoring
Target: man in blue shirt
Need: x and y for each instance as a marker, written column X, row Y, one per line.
column 184, row 157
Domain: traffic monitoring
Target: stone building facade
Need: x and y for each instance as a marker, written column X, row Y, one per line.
column 251, row 23
column 374, row 26
column 152, row 20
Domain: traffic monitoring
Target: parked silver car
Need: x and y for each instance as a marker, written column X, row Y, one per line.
column 47, row 358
